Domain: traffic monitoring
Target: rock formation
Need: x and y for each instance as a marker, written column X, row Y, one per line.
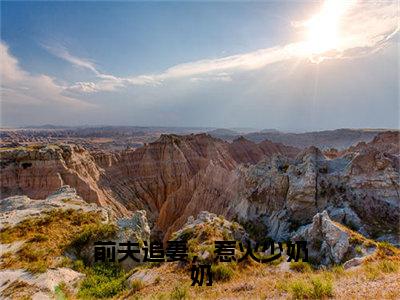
column 18, row 208
column 178, row 176
column 38, row 171
column 327, row 243
column 359, row 188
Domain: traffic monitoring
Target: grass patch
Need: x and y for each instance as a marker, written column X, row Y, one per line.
column 222, row 272
column 62, row 292
column 375, row 270
column 137, row 285
column 322, row 287
column 179, row 293
column 388, row 266
column 102, row 281
column 19, row 290
column 276, row 262
column 92, row 232
column 337, row 270
column 385, row 249
column 356, row 238
column 372, row 272
column 48, row 236
column 300, row 266
column 314, row 287
column 300, row 289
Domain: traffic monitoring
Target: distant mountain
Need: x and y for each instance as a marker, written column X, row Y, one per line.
column 271, row 130
column 339, row 138
column 47, row 126
column 225, row 134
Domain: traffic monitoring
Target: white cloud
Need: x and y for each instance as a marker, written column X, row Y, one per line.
column 20, row 88
column 362, row 28
column 63, row 53
column 221, row 77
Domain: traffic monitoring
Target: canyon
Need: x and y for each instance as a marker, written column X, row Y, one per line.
column 275, row 187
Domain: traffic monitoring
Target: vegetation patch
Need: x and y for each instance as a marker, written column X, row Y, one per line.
column 137, row 285
column 356, row 238
column 222, row 272
column 385, row 249
column 63, row 292
column 300, row 266
column 48, row 236
column 19, row 290
column 179, row 293
column 102, row 281
column 358, row 250
column 318, row 286
column 377, row 269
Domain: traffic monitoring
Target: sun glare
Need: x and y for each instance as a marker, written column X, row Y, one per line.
column 323, row 28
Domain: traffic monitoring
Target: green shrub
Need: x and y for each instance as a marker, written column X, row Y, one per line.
column 186, row 234
column 37, row 267
column 358, row 249
column 222, row 272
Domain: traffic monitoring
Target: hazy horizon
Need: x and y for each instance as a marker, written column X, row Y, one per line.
column 238, row 130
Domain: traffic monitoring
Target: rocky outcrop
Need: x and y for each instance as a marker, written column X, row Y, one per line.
column 359, row 189
column 327, row 243
column 19, row 284
column 220, row 228
column 38, row 171
column 134, row 229
column 18, row 208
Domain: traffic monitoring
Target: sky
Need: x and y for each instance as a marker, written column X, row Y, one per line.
column 288, row 65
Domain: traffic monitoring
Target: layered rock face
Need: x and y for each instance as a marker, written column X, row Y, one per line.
column 171, row 179
column 179, row 176
column 38, row 171
column 245, row 151
column 359, row 188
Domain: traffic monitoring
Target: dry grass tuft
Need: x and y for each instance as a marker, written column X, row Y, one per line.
column 46, row 238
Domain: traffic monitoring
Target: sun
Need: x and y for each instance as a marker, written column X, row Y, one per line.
column 323, row 29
